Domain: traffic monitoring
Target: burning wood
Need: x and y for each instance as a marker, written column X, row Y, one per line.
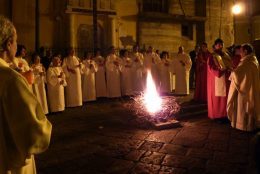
column 152, row 109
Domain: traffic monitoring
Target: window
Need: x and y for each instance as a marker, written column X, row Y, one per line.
column 155, row 6
column 187, row 31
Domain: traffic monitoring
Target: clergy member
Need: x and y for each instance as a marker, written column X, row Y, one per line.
column 126, row 73
column 24, row 129
column 165, row 70
column 219, row 65
column 182, row 72
column 56, row 81
column 39, row 82
column 88, row 78
column 73, row 69
column 137, row 70
column 152, row 62
column 200, row 94
column 113, row 69
column 243, row 107
column 101, row 86
column 236, row 56
column 21, row 65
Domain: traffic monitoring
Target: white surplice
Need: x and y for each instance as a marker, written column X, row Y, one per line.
column 165, row 77
column 137, row 72
column 39, row 86
column 20, row 63
column 182, row 73
column 56, row 99
column 73, row 91
column 152, row 62
column 88, row 80
column 113, row 68
column 126, row 77
column 101, row 86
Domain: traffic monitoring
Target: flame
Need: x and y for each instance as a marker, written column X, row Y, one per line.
column 152, row 100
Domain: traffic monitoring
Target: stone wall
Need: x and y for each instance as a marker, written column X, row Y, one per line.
column 219, row 22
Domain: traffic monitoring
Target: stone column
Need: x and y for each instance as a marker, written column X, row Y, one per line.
column 113, row 29
column 72, row 30
column 255, row 27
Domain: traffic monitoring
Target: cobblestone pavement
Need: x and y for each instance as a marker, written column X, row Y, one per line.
column 97, row 138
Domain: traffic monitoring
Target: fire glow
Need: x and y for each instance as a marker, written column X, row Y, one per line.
column 152, row 100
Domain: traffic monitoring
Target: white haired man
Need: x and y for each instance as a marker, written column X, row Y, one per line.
column 24, row 129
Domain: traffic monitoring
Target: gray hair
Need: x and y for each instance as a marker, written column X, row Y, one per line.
column 7, row 31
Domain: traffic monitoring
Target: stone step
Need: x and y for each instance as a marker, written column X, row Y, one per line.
column 189, row 110
column 192, row 107
column 181, row 116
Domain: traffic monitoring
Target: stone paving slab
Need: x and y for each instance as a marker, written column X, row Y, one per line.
column 97, row 139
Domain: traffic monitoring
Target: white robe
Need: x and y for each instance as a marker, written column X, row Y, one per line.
column 113, row 76
column 152, row 62
column 73, row 91
column 137, row 72
column 88, row 80
column 101, row 86
column 182, row 73
column 243, row 105
column 39, row 86
column 126, row 77
column 24, row 128
column 165, row 78
column 55, row 90
column 20, row 63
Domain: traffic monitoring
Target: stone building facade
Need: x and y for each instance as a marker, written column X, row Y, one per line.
column 163, row 24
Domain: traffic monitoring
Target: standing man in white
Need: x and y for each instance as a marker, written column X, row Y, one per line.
column 101, row 86
column 56, row 81
column 137, row 70
column 182, row 70
column 126, row 74
column 73, row 69
column 39, row 82
column 165, row 69
column 152, row 62
column 113, row 69
column 88, row 78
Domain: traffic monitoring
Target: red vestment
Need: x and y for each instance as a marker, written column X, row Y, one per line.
column 217, row 88
column 201, row 77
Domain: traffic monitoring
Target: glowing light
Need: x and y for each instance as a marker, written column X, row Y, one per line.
column 237, row 9
column 152, row 100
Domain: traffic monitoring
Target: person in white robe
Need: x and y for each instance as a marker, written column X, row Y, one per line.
column 56, row 81
column 152, row 62
column 88, row 78
column 172, row 72
column 165, row 70
column 126, row 74
column 137, row 70
column 73, row 69
column 21, row 65
column 39, row 82
column 101, row 86
column 24, row 128
column 182, row 70
column 243, row 105
column 113, row 69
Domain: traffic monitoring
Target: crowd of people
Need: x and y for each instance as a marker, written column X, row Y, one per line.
column 70, row 81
